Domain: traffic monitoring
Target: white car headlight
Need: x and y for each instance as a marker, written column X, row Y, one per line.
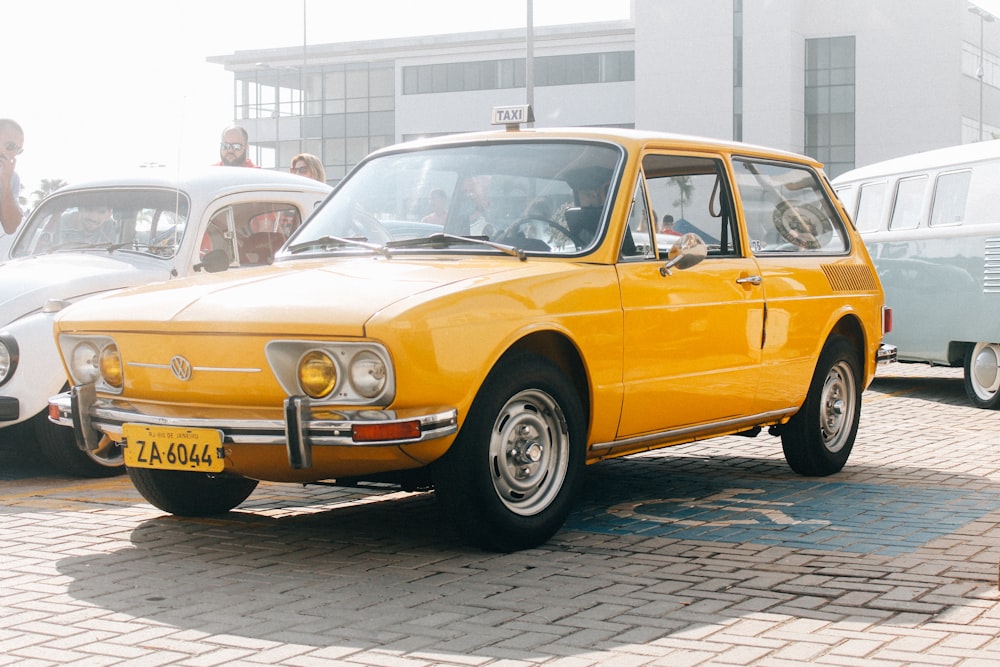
column 368, row 374
column 83, row 362
column 9, row 355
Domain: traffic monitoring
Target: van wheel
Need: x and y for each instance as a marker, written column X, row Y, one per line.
column 510, row 478
column 818, row 440
column 191, row 493
column 58, row 446
column 982, row 375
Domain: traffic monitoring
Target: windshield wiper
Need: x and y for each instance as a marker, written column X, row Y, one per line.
column 337, row 242
column 81, row 245
column 442, row 239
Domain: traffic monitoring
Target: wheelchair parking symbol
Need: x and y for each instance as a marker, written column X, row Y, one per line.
column 729, row 507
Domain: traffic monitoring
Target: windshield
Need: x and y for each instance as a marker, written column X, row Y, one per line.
column 150, row 221
column 547, row 197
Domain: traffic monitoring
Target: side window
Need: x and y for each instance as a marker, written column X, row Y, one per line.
column 787, row 209
column 950, row 194
column 908, row 204
column 690, row 195
column 870, row 202
column 638, row 239
column 220, row 234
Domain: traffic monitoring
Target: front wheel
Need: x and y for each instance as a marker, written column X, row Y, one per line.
column 982, row 375
column 818, row 440
column 191, row 493
column 58, row 446
column 510, row 477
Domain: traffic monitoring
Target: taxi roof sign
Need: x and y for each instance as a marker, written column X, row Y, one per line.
column 513, row 116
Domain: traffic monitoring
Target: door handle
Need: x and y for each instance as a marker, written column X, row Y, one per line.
column 752, row 280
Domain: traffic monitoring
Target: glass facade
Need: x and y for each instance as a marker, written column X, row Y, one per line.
column 509, row 72
column 347, row 111
column 830, row 102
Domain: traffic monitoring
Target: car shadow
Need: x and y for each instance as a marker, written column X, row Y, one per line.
column 673, row 542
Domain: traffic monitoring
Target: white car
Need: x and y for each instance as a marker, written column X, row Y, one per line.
column 98, row 236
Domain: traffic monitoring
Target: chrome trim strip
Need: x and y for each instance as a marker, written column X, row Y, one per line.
column 217, row 369
column 753, row 420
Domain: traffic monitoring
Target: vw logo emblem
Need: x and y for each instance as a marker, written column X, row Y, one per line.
column 181, row 368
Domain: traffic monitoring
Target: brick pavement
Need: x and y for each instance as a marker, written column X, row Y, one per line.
column 706, row 554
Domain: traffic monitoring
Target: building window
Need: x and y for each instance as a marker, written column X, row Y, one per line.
column 509, row 72
column 829, row 102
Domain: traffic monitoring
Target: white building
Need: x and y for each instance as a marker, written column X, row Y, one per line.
column 849, row 82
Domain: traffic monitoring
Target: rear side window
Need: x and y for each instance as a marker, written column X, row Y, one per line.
column 950, row 194
column 908, row 203
column 787, row 209
column 870, row 202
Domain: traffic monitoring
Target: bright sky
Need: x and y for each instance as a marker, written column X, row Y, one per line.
column 101, row 86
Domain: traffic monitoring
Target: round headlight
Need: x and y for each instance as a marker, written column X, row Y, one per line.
column 368, row 374
column 84, row 363
column 317, row 374
column 8, row 357
column 111, row 366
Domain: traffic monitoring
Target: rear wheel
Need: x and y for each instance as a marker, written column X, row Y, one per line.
column 191, row 493
column 58, row 446
column 818, row 440
column 982, row 375
column 510, row 477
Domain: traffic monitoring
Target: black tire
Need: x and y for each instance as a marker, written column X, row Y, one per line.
column 58, row 447
column 191, row 493
column 511, row 476
column 818, row 440
column 982, row 375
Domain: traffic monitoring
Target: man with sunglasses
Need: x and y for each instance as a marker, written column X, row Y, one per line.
column 233, row 148
column 11, row 145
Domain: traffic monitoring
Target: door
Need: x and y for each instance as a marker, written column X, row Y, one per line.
column 692, row 339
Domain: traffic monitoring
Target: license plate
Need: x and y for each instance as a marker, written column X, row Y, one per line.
column 197, row 449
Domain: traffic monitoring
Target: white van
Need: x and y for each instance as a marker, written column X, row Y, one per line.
column 931, row 222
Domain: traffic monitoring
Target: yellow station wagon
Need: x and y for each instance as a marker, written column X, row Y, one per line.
column 487, row 314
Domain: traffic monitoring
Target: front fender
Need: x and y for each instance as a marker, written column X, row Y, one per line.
column 39, row 372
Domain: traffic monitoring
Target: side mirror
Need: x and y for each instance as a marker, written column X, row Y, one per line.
column 214, row 261
column 687, row 251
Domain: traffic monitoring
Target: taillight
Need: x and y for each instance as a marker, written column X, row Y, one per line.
column 886, row 320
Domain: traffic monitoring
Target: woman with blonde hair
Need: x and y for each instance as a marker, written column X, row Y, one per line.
column 308, row 165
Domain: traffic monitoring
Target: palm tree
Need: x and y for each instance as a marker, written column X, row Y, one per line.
column 686, row 189
column 48, row 186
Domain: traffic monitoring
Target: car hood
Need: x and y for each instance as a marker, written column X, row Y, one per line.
column 26, row 283
column 305, row 297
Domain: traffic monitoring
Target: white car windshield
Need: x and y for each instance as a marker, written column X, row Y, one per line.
column 546, row 197
column 150, row 221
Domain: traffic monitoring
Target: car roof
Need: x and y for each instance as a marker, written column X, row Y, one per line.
column 949, row 156
column 208, row 179
column 630, row 138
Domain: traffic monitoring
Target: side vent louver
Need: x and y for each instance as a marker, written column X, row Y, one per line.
column 991, row 266
column 850, row 277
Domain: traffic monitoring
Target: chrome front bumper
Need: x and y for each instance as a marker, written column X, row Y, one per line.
column 304, row 425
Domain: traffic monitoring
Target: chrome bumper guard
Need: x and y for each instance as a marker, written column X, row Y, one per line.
column 304, row 425
column 886, row 354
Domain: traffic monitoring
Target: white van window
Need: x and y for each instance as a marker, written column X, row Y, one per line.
column 950, row 194
column 870, row 201
column 908, row 203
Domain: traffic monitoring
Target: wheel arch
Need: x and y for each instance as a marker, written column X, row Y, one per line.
column 849, row 326
column 559, row 349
